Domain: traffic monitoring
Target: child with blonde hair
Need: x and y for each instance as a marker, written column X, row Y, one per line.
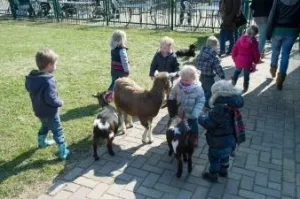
column 245, row 55
column 41, row 86
column 119, row 61
column 189, row 93
column 208, row 62
column 165, row 60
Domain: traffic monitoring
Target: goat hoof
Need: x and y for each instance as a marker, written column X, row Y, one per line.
column 190, row 170
column 170, row 153
column 184, row 159
column 96, row 158
column 111, row 153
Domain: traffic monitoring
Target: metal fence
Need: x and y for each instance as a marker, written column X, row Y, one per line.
column 191, row 15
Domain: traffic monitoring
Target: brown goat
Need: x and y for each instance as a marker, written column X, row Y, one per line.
column 133, row 100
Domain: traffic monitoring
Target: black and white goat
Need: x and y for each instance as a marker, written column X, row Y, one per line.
column 179, row 138
column 105, row 126
column 186, row 52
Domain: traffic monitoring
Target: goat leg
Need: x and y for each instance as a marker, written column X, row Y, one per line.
column 190, row 163
column 144, row 137
column 96, row 157
column 179, row 164
column 109, row 147
column 150, row 136
column 184, row 157
column 169, row 140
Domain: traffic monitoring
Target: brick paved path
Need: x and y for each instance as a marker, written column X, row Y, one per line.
column 266, row 166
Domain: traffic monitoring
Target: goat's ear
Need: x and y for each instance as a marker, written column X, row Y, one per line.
column 172, row 75
column 155, row 73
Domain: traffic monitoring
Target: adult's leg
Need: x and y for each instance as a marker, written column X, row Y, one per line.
column 276, row 47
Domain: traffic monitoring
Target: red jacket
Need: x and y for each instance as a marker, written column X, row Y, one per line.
column 245, row 52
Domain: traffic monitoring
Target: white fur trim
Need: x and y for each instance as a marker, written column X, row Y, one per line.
column 223, row 88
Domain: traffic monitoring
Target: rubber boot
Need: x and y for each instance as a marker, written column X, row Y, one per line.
column 279, row 81
column 211, row 177
column 273, row 70
column 44, row 142
column 223, row 172
column 63, row 151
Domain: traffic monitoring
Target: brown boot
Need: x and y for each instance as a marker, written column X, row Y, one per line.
column 279, row 81
column 273, row 70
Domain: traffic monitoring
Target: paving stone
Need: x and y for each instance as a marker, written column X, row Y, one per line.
column 98, row 191
column 198, row 181
column 56, row 187
column 169, row 196
column 149, row 192
column 130, row 195
column 230, row 196
column 139, row 162
column 274, row 185
column 232, row 187
column 116, row 188
column 184, row 195
column 150, row 180
column 275, row 176
column 86, row 182
column 153, row 169
column 86, row 163
column 267, row 191
column 247, row 183
column 167, row 177
column 243, row 172
column 216, row 190
column 289, row 176
column 201, row 192
column 134, row 184
column 261, row 179
column 251, row 195
column 82, row 192
column 136, row 172
column 166, row 188
column 107, row 196
column 44, row 196
column 72, row 187
column 289, row 189
column 257, row 169
column 63, row 195
column 74, row 173
column 252, row 159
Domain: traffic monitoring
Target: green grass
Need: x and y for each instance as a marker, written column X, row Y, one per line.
column 83, row 68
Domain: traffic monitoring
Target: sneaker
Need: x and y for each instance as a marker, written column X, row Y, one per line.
column 63, row 151
column 44, row 142
column 211, row 177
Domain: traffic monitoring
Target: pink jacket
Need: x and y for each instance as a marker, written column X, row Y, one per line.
column 245, row 52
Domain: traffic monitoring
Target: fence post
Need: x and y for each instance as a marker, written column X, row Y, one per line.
column 107, row 11
column 172, row 14
column 56, row 9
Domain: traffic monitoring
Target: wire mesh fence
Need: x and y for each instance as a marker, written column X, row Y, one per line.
column 185, row 15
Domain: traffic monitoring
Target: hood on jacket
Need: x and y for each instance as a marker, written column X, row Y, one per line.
column 222, row 91
column 35, row 80
column 245, row 41
column 289, row 2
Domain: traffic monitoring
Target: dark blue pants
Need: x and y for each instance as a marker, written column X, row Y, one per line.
column 218, row 159
column 236, row 74
column 52, row 124
column 207, row 82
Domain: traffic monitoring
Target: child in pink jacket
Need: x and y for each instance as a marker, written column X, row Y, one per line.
column 245, row 55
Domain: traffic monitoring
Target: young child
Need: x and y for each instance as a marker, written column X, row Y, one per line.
column 245, row 55
column 41, row 86
column 165, row 60
column 189, row 93
column 119, row 61
column 208, row 62
column 220, row 125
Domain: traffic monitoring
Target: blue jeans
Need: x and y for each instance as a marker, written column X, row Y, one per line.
column 224, row 36
column 207, row 82
column 218, row 158
column 262, row 37
column 193, row 123
column 283, row 44
column 236, row 74
column 53, row 124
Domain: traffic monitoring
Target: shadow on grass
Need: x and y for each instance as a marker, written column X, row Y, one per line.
column 80, row 112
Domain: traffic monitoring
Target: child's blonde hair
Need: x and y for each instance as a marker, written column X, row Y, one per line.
column 118, row 39
column 189, row 72
column 252, row 30
column 166, row 41
column 44, row 57
column 212, row 42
